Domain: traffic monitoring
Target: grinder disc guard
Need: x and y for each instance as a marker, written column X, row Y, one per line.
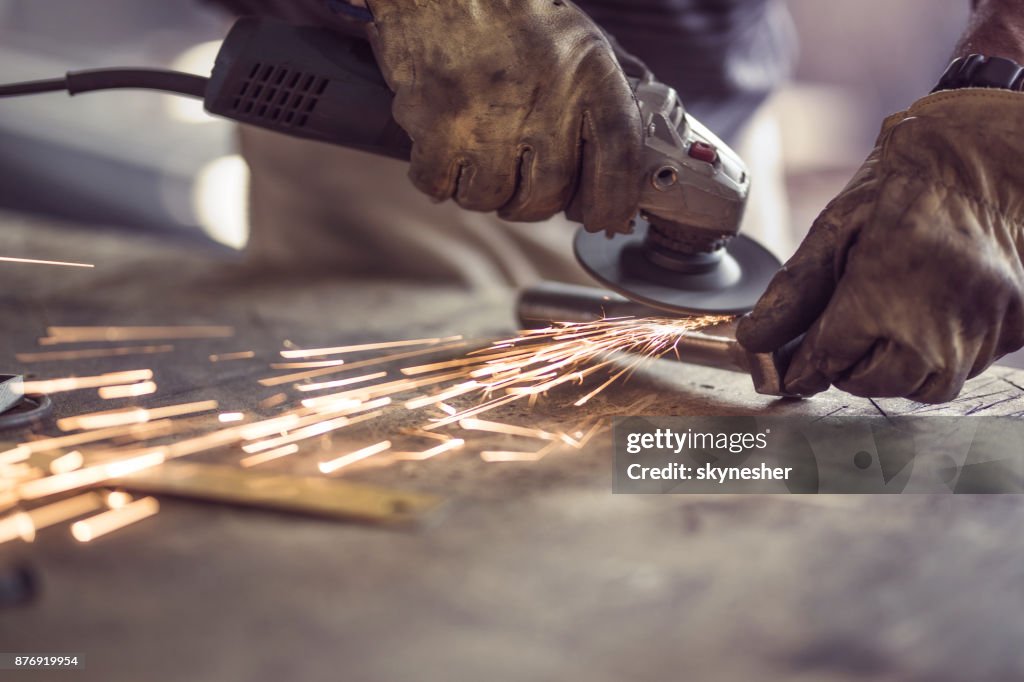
column 732, row 287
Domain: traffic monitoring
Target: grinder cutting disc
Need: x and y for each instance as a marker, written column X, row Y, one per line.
column 731, row 287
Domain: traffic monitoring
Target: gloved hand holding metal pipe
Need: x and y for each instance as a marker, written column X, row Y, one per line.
column 910, row 281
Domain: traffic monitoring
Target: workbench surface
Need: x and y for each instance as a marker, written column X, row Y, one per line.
column 535, row 570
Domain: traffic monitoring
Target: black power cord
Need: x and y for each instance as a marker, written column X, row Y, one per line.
column 301, row 81
column 76, row 82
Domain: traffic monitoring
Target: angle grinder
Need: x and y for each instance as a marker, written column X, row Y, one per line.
column 684, row 255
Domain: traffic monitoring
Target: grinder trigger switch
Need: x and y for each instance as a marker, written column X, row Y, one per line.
column 702, row 151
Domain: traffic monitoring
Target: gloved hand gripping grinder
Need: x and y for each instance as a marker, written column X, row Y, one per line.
column 683, row 256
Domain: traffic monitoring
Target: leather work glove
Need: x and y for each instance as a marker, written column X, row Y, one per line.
column 515, row 106
column 910, row 281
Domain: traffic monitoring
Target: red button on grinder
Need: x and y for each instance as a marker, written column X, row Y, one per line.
column 702, row 151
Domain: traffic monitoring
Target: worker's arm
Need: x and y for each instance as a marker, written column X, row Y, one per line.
column 996, row 28
column 911, row 280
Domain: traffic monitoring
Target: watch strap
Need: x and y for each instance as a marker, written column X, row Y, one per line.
column 980, row 71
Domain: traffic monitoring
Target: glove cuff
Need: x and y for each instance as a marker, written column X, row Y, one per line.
column 969, row 141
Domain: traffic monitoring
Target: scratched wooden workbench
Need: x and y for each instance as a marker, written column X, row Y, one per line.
column 535, row 570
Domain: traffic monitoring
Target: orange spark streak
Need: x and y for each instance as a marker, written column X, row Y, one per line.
column 461, row 362
column 273, row 401
column 516, row 456
column 93, row 527
column 341, row 382
column 319, row 428
column 90, row 353
column 453, row 444
column 129, row 391
column 378, row 390
column 307, row 365
column 338, row 350
column 65, row 510
column 75, row 383
column 138, row 431
column 33, row 261
column 91, row 475
column 117, row 498
column 507, row 429
column 17, row 525
column 133, row 415
column 101, row 333
column 240, row 355
column 333, row 465
column 65, row 463
column 314, row 373
column 453, row 392
column 82, row 334
column 269, row 455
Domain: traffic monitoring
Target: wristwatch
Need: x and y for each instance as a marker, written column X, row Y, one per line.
column 979, row 71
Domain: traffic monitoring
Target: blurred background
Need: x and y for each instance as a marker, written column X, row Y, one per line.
column 119, row 158
column 859, row 62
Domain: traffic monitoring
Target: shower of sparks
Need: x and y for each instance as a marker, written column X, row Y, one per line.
column 33, row 261
column 451, row 400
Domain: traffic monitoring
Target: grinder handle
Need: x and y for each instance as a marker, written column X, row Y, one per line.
column 306, row 82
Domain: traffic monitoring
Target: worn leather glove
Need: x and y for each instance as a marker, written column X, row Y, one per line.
column 518, row 106
column 910, row 281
